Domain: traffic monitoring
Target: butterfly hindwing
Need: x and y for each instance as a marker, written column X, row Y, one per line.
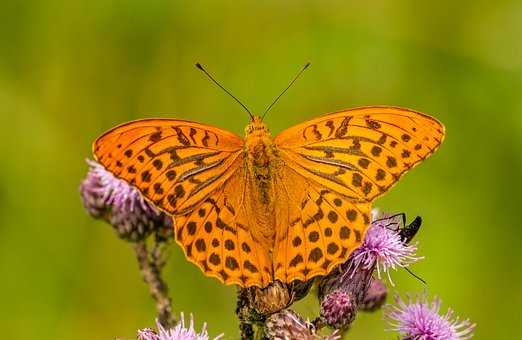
column 175, row 164
column 217, row 237
column 360, row 153
column 317, row 229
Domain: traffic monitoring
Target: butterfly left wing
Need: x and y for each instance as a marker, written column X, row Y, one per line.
column 219, row 236
column 195, row 173
column 175, row 164
column 337, row 165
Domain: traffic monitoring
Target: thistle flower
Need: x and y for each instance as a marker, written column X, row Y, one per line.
column 289, row 325
column 179, row 332
column 105, row 196
column 383, row 249
column 417, row 319
column 338, row 309
column 93, row 192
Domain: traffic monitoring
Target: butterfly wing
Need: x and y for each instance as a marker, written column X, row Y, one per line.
column 341, row 162
column 195, row 173
column 175, row 164
column 316, row 227
column 218, row 237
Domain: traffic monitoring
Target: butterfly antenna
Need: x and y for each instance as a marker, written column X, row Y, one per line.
column 291, row 83
column 198, row 65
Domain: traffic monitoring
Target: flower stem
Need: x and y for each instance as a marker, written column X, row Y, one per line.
column 150, row 268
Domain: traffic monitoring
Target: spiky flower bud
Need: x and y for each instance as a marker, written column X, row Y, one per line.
column 92, row 192
column 105, row 196
column 338, row 309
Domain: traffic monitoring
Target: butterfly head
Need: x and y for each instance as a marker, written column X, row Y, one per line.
column 256, row 127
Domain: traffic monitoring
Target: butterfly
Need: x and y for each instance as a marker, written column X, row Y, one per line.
column 252, row 210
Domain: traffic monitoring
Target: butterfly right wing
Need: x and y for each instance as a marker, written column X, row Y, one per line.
column 317, row 228
column 333, row 167
column 362, row 152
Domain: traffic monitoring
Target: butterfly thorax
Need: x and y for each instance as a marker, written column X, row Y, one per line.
column 259, row 146
column 260, row 164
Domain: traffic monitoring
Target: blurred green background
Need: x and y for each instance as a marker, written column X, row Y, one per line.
column 69, row 70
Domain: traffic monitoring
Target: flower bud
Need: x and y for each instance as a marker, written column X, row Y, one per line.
column 338, row 309
column 108, row 197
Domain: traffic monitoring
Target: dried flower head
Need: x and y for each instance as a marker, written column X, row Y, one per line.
column 338, row 309
column 418, row 319
column 271, row 299
column 179, row 332
column 289, row 325
column 108, row 197
column 383, row 249
column 375, row 296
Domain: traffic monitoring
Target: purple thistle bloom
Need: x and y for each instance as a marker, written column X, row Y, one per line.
column 92, row 191
column 338, row 308
column 108, row 197
column 383, row 249
column 113, row 191
column 178, row 332
column 420, row 320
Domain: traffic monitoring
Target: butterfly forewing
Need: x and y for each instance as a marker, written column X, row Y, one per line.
column 175, row 164
column 360, row 153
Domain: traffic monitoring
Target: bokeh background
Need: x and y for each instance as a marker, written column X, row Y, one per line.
column 69, row 70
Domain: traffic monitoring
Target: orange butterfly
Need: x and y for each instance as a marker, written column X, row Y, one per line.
column 254, row 210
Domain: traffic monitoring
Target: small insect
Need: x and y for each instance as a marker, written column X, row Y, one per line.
column 406, row 232
column 409, row 231
column 252, row 210
column 397, row 223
